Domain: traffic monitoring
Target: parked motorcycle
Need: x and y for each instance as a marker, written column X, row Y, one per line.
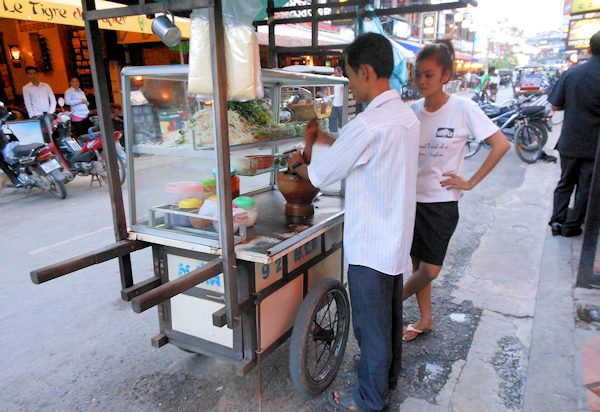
column 84, row 155
column 29, row 165
column 523, row 125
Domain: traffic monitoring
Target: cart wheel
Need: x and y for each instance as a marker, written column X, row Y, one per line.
column 319, row 337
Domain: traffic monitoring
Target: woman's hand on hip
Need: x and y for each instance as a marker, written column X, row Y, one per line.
column 455, row 181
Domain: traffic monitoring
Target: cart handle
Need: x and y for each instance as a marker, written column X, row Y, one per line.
column 118, row 249
column 175, row 287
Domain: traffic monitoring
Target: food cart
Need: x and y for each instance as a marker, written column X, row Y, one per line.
column 223, row 288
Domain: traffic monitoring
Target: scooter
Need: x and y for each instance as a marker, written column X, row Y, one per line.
column 29, row 165
column 84, row 156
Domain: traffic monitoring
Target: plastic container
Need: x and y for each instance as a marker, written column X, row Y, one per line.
column 186, row 205
column 249, row 205
column 177, row 191
column 210, row 187
column 245, row 165
column 235, row 182
column 264, row 161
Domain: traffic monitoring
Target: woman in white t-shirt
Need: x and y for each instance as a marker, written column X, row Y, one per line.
column 446, row 123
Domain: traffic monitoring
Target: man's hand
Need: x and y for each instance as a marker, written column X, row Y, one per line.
column 455, row 181
column 312, row 132
column 295, row 159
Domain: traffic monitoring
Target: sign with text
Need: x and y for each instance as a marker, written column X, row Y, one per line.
column 584, row 6
column 580, row 32
column 60, row 13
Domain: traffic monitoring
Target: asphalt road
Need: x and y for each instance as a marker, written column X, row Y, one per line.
column 73, row 344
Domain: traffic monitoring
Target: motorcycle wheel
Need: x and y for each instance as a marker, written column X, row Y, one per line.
column 472, row 147
column 528, row 143
column 54, row 187
column 120, row 165
column 540, row 125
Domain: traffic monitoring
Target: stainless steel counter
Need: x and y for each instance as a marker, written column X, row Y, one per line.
column 273, row 235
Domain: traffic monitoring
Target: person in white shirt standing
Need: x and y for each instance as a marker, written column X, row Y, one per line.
column 447, row 121
column 75, row 98
column 39, row 97
column 335, row 120
column 377, row 154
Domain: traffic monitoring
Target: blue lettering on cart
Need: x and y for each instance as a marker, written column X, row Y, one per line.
column 278, row 264
column 266, row 271
column 298, row 254
column 182, row 269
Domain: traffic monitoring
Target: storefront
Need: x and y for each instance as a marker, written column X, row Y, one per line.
column 50, row 36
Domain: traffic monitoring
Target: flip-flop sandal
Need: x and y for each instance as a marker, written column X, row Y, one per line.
column 346, row 402
column 411, row 333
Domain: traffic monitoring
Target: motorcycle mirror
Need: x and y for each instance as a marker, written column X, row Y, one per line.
column 61, row 102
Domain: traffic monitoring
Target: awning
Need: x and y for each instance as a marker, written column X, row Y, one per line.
column 296, row 35
column 412, row 46
column 69, row 12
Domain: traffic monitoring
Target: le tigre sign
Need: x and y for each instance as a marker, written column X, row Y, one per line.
column 68, row 12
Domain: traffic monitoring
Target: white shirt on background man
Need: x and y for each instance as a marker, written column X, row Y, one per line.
column 74, row 98
column 442, row 144
column 377, row 154
column 338, row 95
column 39, row 99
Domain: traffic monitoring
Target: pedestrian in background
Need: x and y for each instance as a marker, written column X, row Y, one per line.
column 76, row 99
column 376, row 153
column 335, row 120
column 447, row 121
column 38, row 96
column 577, row 92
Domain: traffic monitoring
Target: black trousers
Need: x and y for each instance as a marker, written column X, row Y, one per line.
column 575, row 174
column 377, row 322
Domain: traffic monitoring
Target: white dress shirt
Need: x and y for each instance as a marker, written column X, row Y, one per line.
column 39, row 99
column 73, row 98
column 377, row 154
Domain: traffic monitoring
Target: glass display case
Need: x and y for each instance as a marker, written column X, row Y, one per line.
column 172, row 161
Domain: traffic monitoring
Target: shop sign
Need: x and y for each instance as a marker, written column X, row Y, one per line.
column 584, row 6
column 59, row 13
column 429, row 25
column 580, row 32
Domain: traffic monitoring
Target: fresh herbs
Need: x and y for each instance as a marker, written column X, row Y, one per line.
column 254, row 111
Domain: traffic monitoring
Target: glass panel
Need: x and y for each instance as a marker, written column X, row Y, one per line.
column 170, row 136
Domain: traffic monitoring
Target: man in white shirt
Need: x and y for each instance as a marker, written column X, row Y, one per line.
column 377, row 154
column 39, row 97
column 335, row 120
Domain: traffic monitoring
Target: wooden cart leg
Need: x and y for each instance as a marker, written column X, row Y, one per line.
column 259, row 352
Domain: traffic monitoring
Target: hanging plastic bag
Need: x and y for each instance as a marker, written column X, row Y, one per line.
column 399, row 76
column 242, row 58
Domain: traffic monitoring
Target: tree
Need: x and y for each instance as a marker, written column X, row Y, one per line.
column 506, row 61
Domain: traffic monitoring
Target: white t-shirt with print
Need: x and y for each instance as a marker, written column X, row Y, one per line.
column 442, row 144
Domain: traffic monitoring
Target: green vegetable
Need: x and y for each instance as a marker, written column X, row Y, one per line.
column 254, row 111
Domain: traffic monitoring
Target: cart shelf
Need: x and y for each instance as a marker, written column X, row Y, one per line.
column 273, row 235
column 208, row 152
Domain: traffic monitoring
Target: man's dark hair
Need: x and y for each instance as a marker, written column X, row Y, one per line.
column 595, row 44
column 491, row 69
column 31, row 68
column 372, row 49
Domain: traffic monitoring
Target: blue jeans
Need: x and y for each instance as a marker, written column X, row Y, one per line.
column 377, row 321
column 335, row 120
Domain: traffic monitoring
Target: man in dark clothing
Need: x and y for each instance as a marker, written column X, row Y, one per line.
column 578, row 94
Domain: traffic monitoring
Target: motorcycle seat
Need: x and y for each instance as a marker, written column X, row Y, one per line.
column 26, row 149
column 533, row 110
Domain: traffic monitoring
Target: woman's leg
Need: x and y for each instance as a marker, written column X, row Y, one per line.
column 420, row 284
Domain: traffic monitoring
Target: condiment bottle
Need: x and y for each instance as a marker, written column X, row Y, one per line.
column 235, row 182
